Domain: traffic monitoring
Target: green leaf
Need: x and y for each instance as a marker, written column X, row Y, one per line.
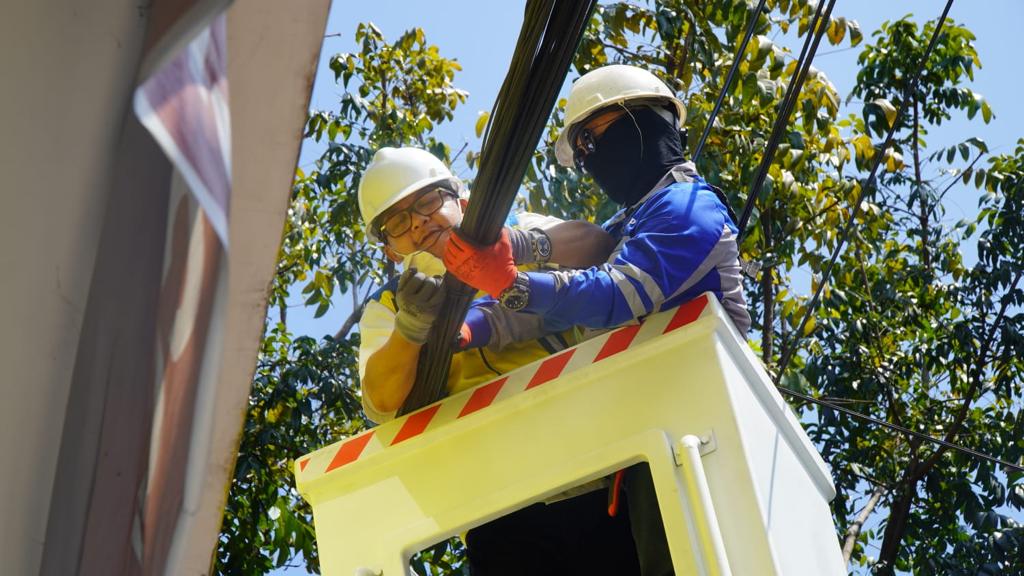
column 888, row 109
column 978, row 143
column 836, row 30
column 810, row 325
column 855, row 34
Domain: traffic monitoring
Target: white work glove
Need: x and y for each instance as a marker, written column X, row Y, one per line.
column 529, row 246
column 419, row 300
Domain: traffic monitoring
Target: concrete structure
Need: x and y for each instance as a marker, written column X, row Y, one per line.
column 82, row 242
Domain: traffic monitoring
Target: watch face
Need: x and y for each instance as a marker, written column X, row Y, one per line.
column 516, row 296
column 514, row 300
column 543, row 247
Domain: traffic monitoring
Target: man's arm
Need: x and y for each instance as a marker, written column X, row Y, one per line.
column 672, row 246
column 579, row 244
column 390, row 373
column 390, row 366
column 546, row 239
column 391, row 341
column 575, row 244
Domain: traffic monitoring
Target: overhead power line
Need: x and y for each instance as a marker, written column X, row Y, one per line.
column 790, row 347
column 900, row 429
column 796, row 83
column 729, row 79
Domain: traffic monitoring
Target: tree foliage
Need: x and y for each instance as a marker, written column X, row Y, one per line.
column 909, row 329
column 912, row 333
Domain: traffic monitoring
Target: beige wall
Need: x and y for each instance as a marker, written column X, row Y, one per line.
column 67, row 70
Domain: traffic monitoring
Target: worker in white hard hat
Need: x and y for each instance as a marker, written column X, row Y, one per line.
column 410, row 202
column 675, row 234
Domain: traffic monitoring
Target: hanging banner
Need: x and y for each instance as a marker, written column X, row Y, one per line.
column 184, row 105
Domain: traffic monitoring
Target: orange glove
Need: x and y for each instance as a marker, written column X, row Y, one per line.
column 464, row 338
column 487, row 268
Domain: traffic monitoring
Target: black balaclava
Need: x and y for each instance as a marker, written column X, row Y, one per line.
column 634, row 153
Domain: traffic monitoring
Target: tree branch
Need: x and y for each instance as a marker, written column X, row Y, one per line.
column 854, row 530
column 459, row 153
column 625, row 52
column 899, row 514
column 799, row 225
column 354, row 317
column 956, row 178
column 969, row 398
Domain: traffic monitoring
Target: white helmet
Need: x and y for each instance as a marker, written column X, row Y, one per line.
column 394, row 174
column 606, row 86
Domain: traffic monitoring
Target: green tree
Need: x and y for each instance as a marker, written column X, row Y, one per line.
column 911, row 333
column 908, row 330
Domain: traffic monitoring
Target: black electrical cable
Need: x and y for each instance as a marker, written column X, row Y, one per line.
column 900, row 429
column 790, row 347
column 796, row 82
column 552, row 30
column 728, row 79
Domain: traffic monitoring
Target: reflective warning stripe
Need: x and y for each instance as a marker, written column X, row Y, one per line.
column 466, row 403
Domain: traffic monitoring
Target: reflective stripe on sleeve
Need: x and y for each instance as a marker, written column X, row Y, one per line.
column 651, row 287
column 636, row 305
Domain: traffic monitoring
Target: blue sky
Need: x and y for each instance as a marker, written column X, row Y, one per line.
column 482, row 35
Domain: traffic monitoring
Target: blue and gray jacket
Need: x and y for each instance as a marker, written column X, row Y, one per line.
column 674, row 244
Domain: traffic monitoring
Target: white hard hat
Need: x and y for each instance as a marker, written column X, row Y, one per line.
column 606, row 86
column 393, row 174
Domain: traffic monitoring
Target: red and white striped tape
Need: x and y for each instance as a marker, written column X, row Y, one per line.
column 450, row 409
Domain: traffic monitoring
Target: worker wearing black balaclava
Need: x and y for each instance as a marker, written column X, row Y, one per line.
column 676, row 241
column 634, row 153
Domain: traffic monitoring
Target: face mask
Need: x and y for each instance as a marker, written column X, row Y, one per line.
column 425, row 262
column 633, row 154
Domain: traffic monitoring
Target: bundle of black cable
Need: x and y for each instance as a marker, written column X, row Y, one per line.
column 551, row 32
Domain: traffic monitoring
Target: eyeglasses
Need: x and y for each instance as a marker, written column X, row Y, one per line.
column 585, row 140
column 428, row 202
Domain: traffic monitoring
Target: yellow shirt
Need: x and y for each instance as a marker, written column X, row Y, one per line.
column 469, row 368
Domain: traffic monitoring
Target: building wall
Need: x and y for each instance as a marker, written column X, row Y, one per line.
column 68, row 70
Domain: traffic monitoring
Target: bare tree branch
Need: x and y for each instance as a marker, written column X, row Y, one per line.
column 356, row 315
column 854, row 530
column 954, row 179
column 461, row 150
column 625, row 51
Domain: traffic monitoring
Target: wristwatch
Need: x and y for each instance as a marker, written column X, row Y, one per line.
column 541, row 245
column 516, row 296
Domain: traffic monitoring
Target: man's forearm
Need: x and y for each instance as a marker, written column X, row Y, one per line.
column 390, row 373
column 597, row 297
column 579, row 244
column 498, row 326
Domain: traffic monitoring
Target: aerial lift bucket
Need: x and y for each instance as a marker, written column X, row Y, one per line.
column 741, row 489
